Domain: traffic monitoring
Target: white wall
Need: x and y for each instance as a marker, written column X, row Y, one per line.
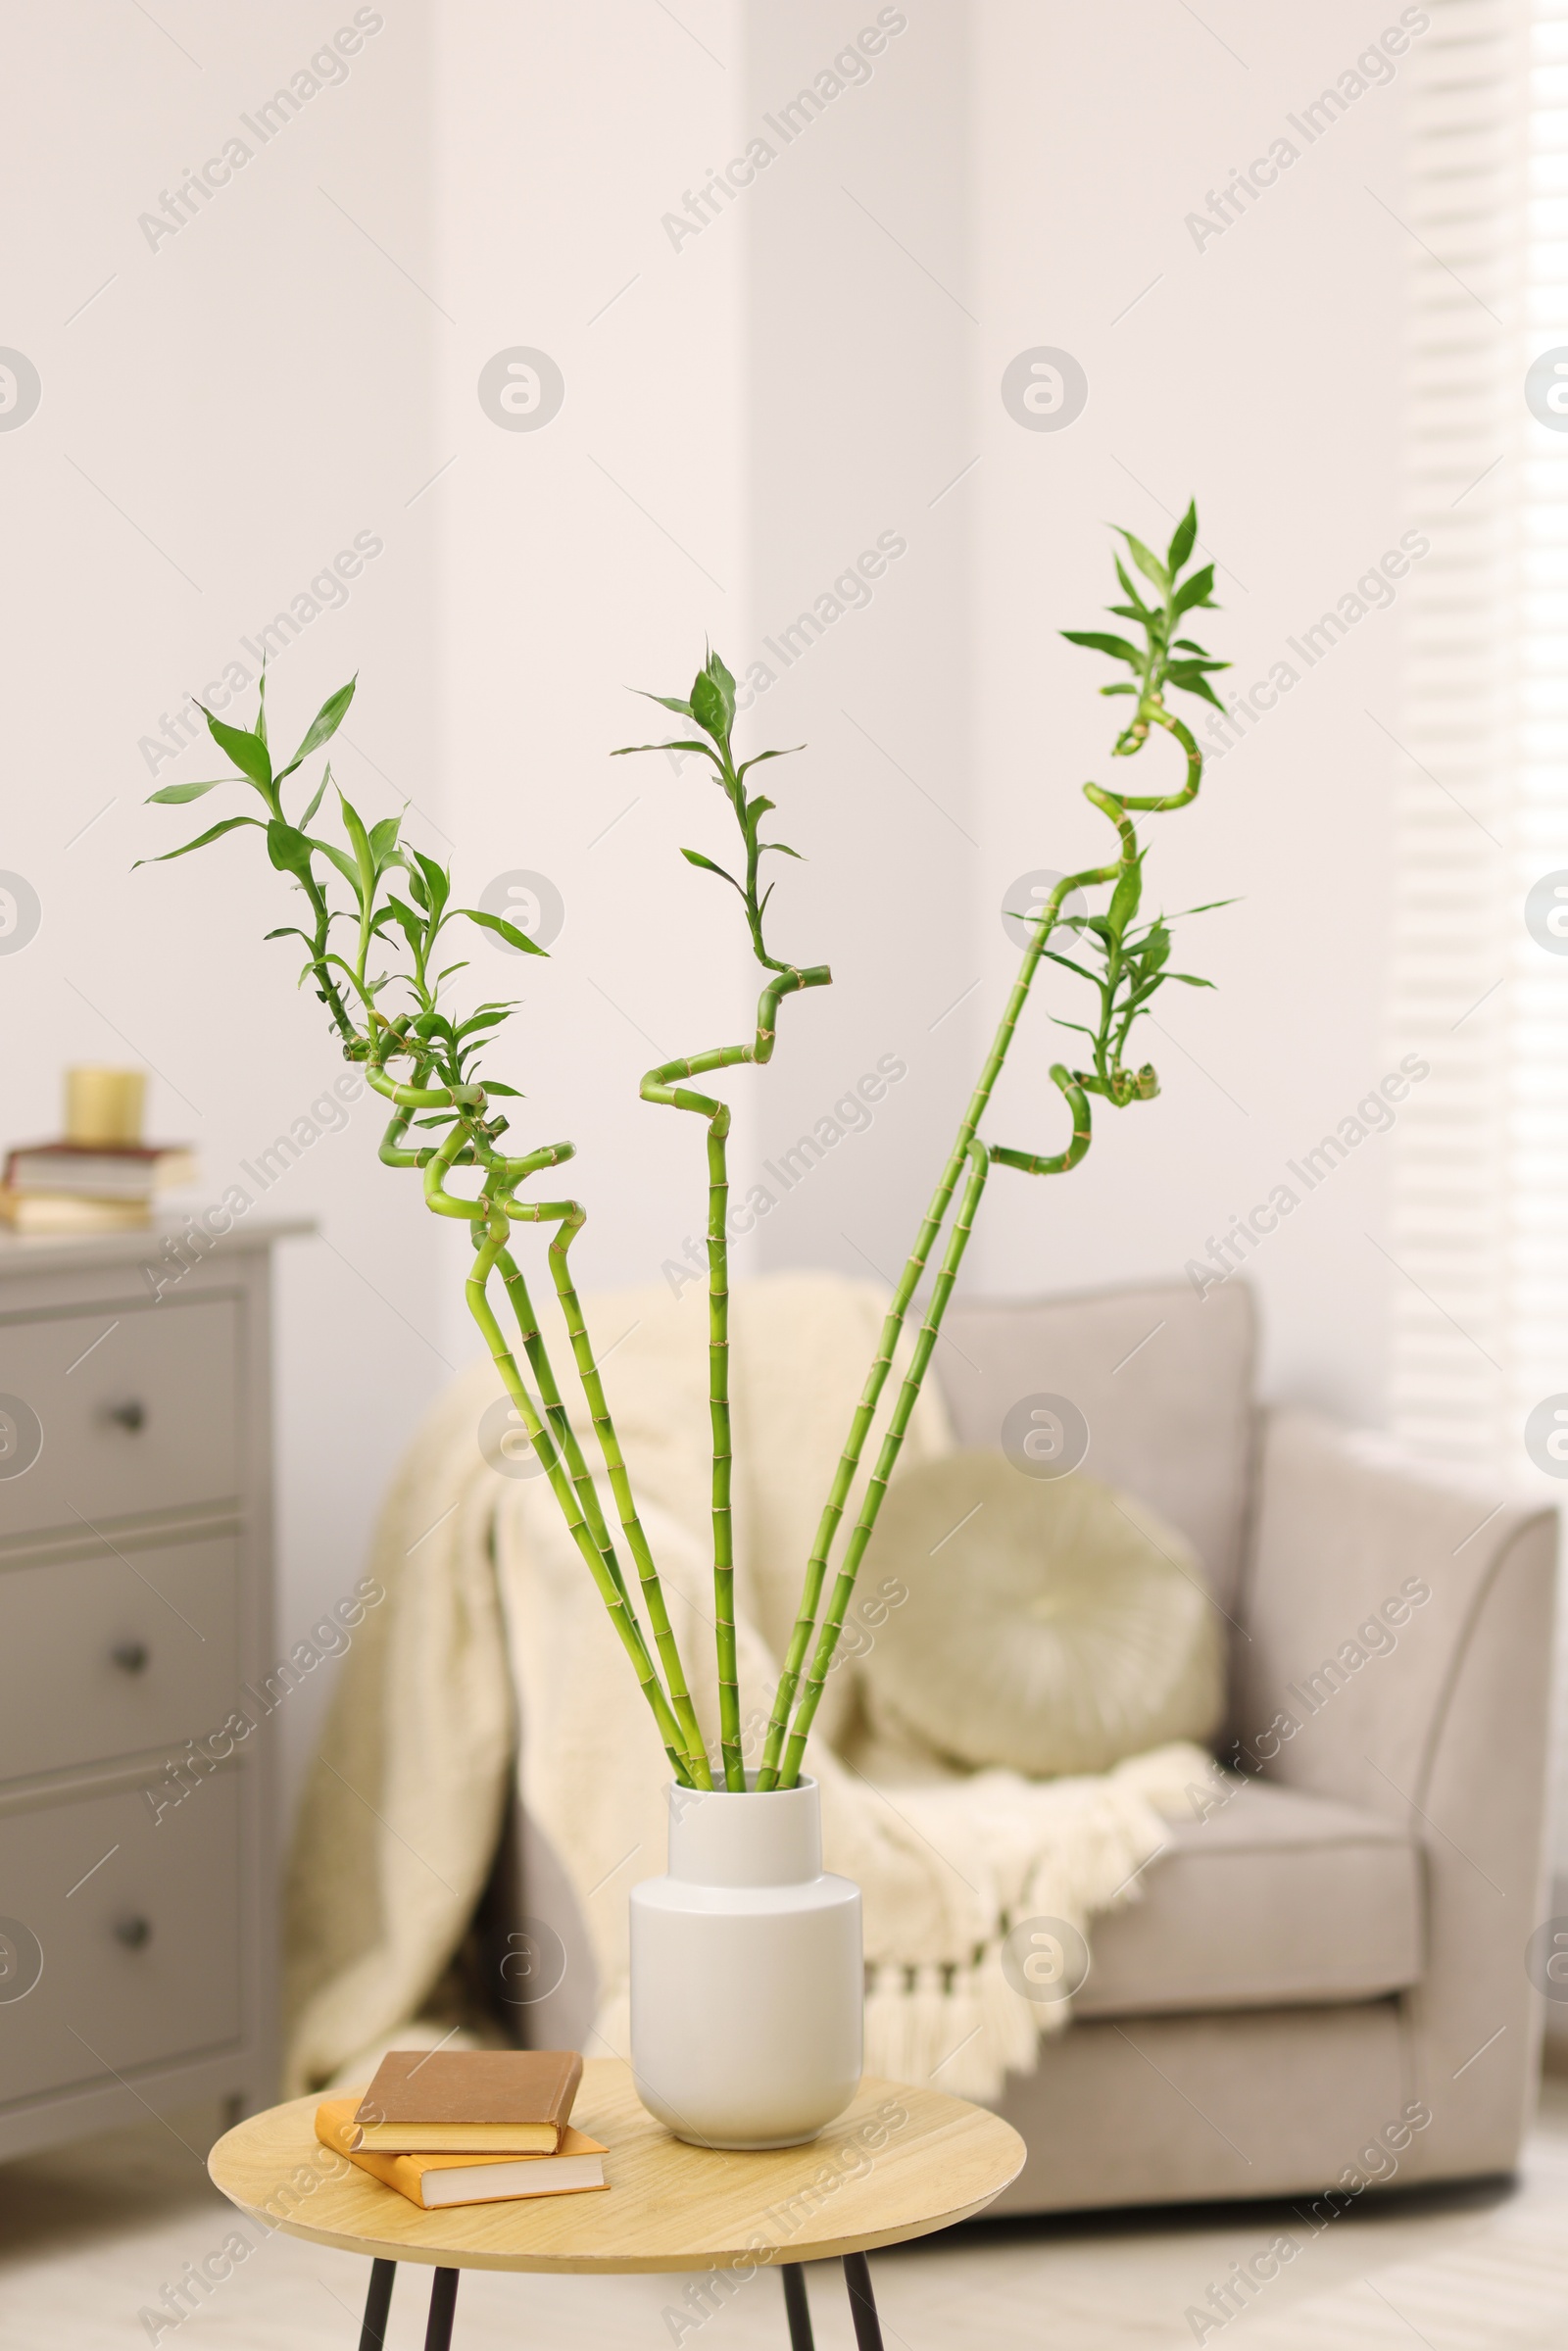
column 859, row 397
column 230, row 410
column 595, row 554
column 742, row 416
column 1263, row 373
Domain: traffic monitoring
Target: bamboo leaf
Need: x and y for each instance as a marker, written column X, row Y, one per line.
column 290, row 851
column 1097, row 642
column 345, row 866
column 1149, row 564
column 1128, row 589
column 324, row 726
column 707, row 706
column 695, row 856
column 437, row 881
column 1189, row 980
column 384, row 840
column 724, row 685
column 1067, row 965
column 1183, row 537
column 757, row 756
column 173, row 795
column 320, row 795
column 247, row 751
column 665, row 702
column 502, row 930
column 1194, row 591
column 407, row 921
column 214, row 832
column 358, row 841
column 1124, row 898
column 494, row 1085
column 706, row 749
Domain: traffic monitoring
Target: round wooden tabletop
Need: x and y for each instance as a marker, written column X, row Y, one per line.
column 898, row 2163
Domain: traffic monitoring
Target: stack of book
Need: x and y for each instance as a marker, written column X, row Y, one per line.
column 467, row 2127
column 89, row 1187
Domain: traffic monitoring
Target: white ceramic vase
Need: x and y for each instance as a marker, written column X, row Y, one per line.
column 746, row 1985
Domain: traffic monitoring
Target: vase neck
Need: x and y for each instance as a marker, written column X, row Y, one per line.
column 716, row 1838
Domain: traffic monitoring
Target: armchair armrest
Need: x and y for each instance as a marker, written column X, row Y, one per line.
column 1398, row 1655
column 1370, row 1577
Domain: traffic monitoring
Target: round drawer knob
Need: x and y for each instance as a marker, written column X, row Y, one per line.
column 130, row 1656
column 131, row 1416
column 134, row 1933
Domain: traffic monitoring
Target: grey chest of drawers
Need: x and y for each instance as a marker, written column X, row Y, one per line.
column 137, row 1875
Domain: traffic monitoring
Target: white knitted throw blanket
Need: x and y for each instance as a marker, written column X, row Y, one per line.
column 491, row 1618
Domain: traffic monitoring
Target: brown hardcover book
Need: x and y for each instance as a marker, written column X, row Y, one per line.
column 469, row 2102
column 433, row 2182
column 129, row 1171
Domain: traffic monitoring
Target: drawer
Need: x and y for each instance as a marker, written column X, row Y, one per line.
column 139, row 1927
column 116, row 1653
column 138, row 1407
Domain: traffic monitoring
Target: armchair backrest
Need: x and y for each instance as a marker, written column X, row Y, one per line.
column 1163, row 1379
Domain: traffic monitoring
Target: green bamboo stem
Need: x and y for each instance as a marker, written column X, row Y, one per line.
column 661, row 1086
column 1046, row 1163
column 777, row 1770
column 887, row 1459
column 570, row 1218
column 550, row 1431
column 611, row 1591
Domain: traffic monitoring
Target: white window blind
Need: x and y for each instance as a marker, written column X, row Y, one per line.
column 1480, row 1209
column 1478, row 1229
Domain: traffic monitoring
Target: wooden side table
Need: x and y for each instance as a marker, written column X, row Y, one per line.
column 899, row 2163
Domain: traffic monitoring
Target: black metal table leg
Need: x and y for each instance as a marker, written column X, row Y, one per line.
column 377, row 2303
column 862, row 2302
column 795, row 2304
column 443, row 2303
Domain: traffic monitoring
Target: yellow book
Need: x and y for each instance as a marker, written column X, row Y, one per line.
column 65, row 1212
column 433, row 2182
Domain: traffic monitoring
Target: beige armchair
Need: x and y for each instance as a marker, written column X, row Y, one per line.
column 1342, row 1939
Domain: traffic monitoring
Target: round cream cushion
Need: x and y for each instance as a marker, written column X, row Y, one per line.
column 1050, row 1626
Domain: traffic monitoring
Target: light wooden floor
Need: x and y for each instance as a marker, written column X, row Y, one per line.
column 88, row 2235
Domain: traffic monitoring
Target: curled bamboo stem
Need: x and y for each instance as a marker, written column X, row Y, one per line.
column 548, row 1424
column 661, row 1086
